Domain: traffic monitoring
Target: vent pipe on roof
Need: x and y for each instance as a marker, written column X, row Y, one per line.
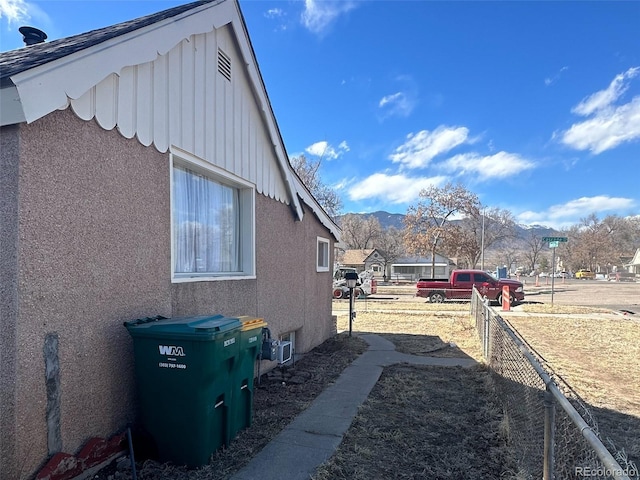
column 31, row 35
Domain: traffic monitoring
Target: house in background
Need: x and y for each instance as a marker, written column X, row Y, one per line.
column 633, row 266
column 410, row 269
column 143, row 174
column 370, row 259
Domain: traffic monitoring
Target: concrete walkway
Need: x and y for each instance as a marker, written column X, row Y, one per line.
column 313, row 436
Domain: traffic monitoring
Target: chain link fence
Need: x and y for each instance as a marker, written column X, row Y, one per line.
column 550, row 429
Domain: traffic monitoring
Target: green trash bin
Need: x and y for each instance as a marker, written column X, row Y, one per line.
column 250, row 347
column 184, row 373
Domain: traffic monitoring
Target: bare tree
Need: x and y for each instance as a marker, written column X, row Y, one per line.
column 360, row 232
column 628, row 238
column 390, row 244
column 507, row 254
column 481, row 229
column 534, row 248
column 596, row 245
column 428, row 224
column 308, row 171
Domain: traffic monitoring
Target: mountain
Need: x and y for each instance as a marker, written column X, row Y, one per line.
column 387, row 220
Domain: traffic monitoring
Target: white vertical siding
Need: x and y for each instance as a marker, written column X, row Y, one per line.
column 160, row 96
column 125, row 106
column 144, row 103
column 181, row 99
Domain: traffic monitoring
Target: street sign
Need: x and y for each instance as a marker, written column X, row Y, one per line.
column 554, row 239
column 553, row 244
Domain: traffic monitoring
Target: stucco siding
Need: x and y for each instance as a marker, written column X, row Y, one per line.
column 9, row 155
column 88, row 236
column 292, row 296
column 93, row 252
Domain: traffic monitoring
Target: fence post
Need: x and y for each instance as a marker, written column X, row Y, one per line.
column 549, row 435
column 485, row 314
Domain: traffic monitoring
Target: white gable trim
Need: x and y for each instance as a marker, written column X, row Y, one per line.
column 130, row 82
column 310, row 200
column 45, row 88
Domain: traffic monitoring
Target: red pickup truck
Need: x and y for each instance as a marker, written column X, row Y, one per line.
column 460, row 284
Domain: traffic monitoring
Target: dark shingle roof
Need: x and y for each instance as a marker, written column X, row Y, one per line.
column 21, row 59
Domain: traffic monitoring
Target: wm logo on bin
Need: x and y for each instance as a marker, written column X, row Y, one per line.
column 171, row 350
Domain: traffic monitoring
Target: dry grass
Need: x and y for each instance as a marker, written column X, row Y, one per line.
column 362, row 305
column 561, row 309
column 424, row 423
column 595, row 352
column 600, row 359
column 420, row 333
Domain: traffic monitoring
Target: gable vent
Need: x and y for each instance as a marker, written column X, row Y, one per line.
column 224, row 64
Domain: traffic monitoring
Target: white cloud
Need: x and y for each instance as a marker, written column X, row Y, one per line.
column 604, row 98
column 570, row 213
column 272, row 13
column 499, row 165
column 323, row 149
column 392, row 188
column 610, row 125
column 319, row 14
column 607, row 129
column 551, row 80
column 399, row 104
column 421, row 148
column 343, row 146
column 15, row 11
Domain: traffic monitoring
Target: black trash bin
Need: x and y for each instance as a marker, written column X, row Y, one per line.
column 184, row 374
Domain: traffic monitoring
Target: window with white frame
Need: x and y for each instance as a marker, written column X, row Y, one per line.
column 212, row 222
column 322, row 264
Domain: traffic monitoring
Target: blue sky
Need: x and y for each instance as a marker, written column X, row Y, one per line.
column 534, row 106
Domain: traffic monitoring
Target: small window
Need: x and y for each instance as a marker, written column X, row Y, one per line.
column 212, row 222
column 322, row 262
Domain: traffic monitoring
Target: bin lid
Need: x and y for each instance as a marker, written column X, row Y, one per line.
column 251, row 323
column 200, row 327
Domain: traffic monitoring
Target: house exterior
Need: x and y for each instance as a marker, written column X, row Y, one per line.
column 369, row 259
column 410, row 269
column 633, row 266
column 142, row 173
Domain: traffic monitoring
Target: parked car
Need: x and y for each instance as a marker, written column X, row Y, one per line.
column 461, row 282
column 585, row 273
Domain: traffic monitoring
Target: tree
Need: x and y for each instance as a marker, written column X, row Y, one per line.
column 544, row 264
column 308, row 172
column 481, row 229
column 428, row 224
column 507, row 255
column 596, row 243
column 534, row 247
column 390, row 244
column 360, row 232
